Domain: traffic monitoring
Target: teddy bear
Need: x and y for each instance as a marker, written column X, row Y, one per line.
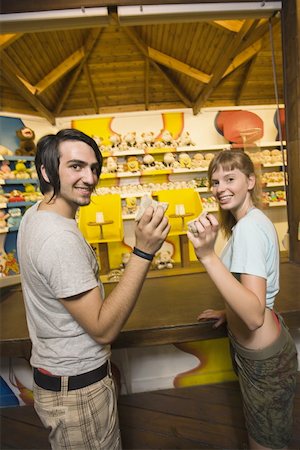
column 130, row 139
column 148, row 139
column 167, row 138
column 148, row 162
column 163, row 260
column 185, row 140
column 115, row 140
column 27, row 146
column 15, row 216
column 169, row 159
column 111, row 164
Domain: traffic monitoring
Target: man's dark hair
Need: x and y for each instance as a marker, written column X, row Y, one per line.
column 47, row 155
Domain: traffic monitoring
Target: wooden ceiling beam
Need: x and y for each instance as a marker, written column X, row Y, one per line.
column 147, row 70
column 243, row 86
column 257, row 33
column 231, row 25
column 91, row 87
column 144, row 49
column 221, row 66
column 89, row 44
column 8, row 64
column 24, row 90
column 242, row 57
column 61, row 70
column 7, row 39
column 177, row 65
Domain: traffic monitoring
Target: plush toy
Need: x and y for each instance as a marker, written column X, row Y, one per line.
column 115, row 140
column 148, row 139
column 21, row 171
column 132, row 164
column 3, row 217
column 130, row 205
column 197, row 160
column 111, row 164
column 16, row 196
column 15, row 216
column 27, row 145
column 167, row 139
column 130, row 139
column 30, row 194
column 185, row 140
column 163, row 260
column 148, row 162
column 4, row 151
column 5, row 171
column 169, row 159
column 185, row 161
column 3, row 196
column 124, row 260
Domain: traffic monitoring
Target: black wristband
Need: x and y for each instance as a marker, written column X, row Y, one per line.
column 142, row 254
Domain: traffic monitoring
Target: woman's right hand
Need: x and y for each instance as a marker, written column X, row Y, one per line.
column 219, row 315
column 152, row 230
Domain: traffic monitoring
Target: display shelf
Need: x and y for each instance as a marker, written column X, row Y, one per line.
column 16, row 158
column 10, row 280
column 19, row 181
column 275, row 204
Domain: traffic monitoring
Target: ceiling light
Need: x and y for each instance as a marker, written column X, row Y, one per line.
column 53, row 20
column 152, row 14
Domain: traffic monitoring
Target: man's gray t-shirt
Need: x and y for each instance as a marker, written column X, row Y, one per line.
column 56, row 263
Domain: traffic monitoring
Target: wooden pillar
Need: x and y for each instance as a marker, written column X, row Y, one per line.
column 291, row 63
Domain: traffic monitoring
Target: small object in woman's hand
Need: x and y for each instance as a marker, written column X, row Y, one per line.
column 192, row 224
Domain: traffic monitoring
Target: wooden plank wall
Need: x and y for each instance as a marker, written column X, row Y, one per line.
column 291, row 57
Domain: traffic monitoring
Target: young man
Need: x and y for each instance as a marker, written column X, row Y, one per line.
column 70, row 324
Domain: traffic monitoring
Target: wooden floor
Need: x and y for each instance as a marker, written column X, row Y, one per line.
column 201, row 417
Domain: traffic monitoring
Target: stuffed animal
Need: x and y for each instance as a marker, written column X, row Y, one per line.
column 167, row 139
column 111, row 164
column 185, row 161
column 21, row 171
column 3, row 217
column 133, row 164
column 148, row 162
column 27, row 146
column 163, row 260
column 4, row 151
column 124, row 260
column 130, row 139
column 115, row 140
column 148, row 139
column 5, row 171
column 3, row 196
column 16, row 196
column 169, row 159
column 15, row 216
column 185, row 140
column 130, row 205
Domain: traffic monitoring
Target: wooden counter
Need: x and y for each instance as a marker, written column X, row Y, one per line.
column 166, row 312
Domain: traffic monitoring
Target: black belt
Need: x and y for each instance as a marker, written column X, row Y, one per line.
column 53, row 383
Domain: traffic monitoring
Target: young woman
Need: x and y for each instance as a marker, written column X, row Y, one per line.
column 247, row 275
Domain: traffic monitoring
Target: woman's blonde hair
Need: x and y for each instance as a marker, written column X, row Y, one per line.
column 230, row 160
